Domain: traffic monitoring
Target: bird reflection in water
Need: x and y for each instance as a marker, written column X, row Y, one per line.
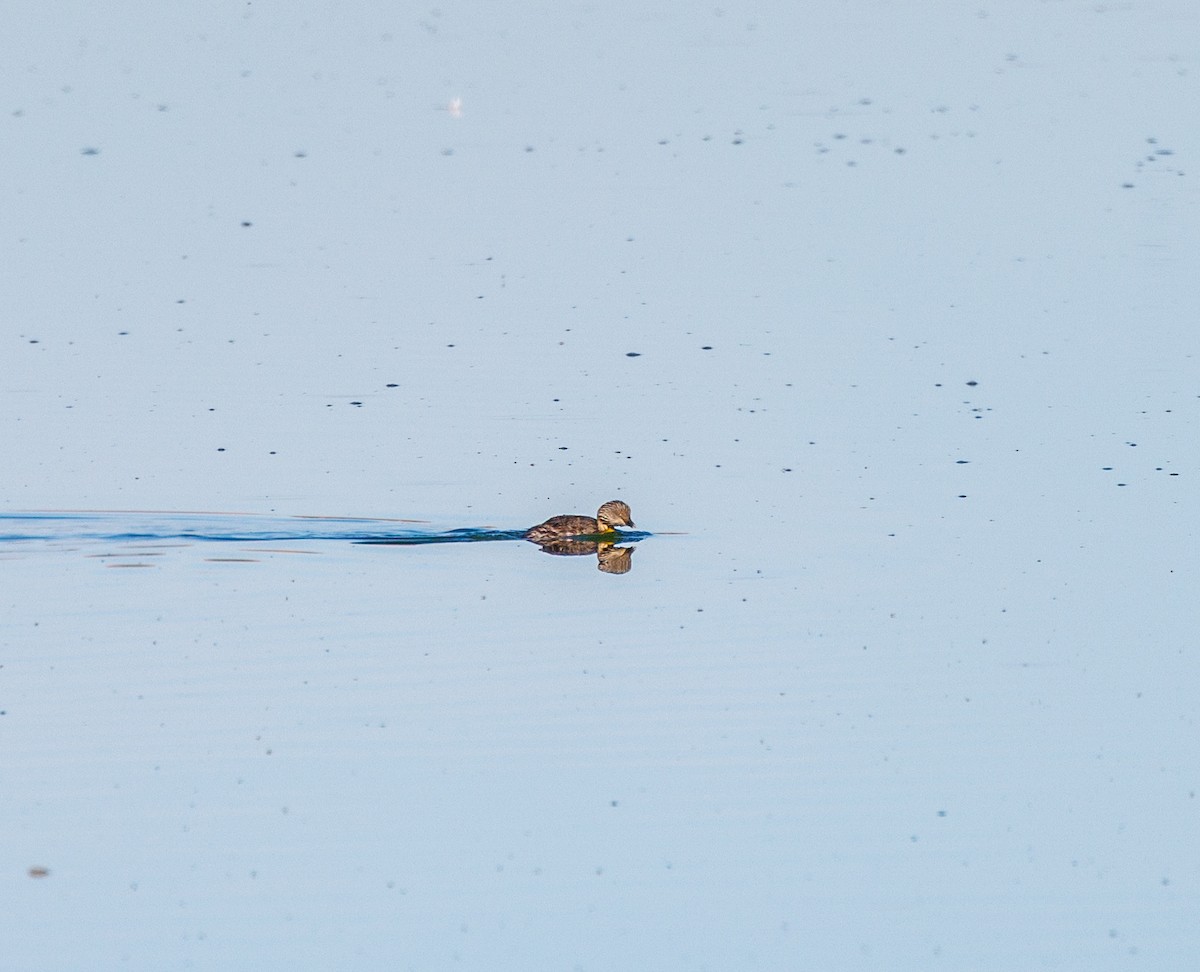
column 612, row 559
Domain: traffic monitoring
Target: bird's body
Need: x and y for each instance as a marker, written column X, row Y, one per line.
column 612, row 514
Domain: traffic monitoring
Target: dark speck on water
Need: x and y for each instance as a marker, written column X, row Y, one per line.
column 633, row 354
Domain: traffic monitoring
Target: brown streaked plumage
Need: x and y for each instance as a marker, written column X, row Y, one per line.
column 612, row 514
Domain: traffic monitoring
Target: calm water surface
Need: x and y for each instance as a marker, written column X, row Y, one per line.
column 880, row 319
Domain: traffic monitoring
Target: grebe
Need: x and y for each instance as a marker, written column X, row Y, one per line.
column 612, row 514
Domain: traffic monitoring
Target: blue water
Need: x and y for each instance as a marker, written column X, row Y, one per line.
column 888, row 305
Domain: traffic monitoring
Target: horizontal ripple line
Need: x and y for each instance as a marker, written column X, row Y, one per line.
column 238, row 528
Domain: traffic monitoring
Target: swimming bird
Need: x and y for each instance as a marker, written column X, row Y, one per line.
column 612, row 514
